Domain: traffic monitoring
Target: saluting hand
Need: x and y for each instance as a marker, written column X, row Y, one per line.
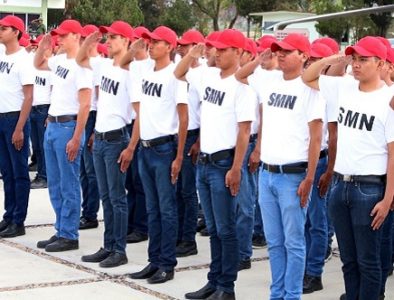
column 197, row 50
column 46, row 42
column 233, row 181
column 124, row 159
column 92, row 38
column 264, row 56
column 303, row 191
column 138, row 45
column 337, row 59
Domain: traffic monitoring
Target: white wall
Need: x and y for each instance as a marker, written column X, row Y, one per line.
column 32, row 3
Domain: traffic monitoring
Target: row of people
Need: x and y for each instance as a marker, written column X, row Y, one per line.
column 215, row 121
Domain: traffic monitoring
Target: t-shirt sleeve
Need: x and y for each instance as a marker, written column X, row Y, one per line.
column 389, row 127
column 329, row 87
column 315, row 105
column 245, row 104
column 180, row 91
column 53, row 63
column 27, row 73
column 84, row 78
column 135, row 78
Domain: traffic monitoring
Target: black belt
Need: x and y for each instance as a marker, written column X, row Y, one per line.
column 93, row 113
column 252, row 138
column 361, row 178
column 193, row 132
column 323, row 153
column 205, row 158
column 61, row 119
column 41, row 106
column 157, row 141
column 112, row 135
column 290, row 168
column 10, row 114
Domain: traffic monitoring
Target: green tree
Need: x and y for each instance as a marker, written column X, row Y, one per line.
column 104, row 12
column 178, row 16
column 383, row 20
column 212, row 8
column 152, row 10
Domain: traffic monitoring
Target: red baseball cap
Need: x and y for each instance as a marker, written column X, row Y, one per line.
column 319, row 50
column 229, row 38
column 191, row 37
column 13, row 21
column 89, row 29
column 68, row 26
column 293, row 41
column 162, row 33
column 24, row 42
column 138, row 31
column 388, row 48
column 119, row 28
column 102, row 49
column 328, row 42
column 213, row 36
column 250, row 46
column 368, row 46
column 265, row 42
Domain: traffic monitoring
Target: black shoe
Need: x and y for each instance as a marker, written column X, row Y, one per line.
column 115, row 259
column 38, row 183
column 13, row 230
column 97, row 257
column 33, row 167
column 200, row 225
column 381, row 297
column 136, row 237
column 62, row 244
column 220, row 295
column 311, row 284
column 85, row 223
column 203, row 293
column 145, row 273
column 244, row 264
column 342, row 297
column 3, row 225
column 204, row 232
column 43, row 244
column 161, row 276
column 186, row 248
column 259, row 241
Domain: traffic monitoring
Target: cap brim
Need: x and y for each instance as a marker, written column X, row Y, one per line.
column 106, row 29
column 359, row 50
column 151, row 36
column 275, row 46
column 59, row 31
column 217, row 45
column 184, row 42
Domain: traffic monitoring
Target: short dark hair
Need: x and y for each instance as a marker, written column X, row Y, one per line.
column 20, row 33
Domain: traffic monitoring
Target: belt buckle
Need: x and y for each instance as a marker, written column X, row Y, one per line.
column 145, row 143
column 203, row 158
column 347, row 178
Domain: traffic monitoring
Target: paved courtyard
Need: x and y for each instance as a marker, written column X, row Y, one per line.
column 31, row 273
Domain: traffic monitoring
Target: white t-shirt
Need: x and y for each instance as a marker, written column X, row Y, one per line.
column 42, row 87
column 16, row 70
column 68, row 79
column 159, row 92
column 193, row 78
column 114, row 104
column 365, row 125
column 96, row 82
column 224, row 103
column 288, row 107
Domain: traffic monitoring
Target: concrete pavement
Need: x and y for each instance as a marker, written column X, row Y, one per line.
column 27, row 272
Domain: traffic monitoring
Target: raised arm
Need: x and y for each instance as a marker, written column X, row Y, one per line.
column 243, row 73
column 83, row 58
column 40, row 61
column 184, row 65
column 130, row 54
column 312, row 73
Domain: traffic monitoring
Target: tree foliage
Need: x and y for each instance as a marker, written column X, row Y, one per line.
column 104, row 12
column 178, row 16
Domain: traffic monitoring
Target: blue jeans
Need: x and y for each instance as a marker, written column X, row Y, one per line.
column 90, row 193
column 258, row 229
column 359, row 246
column 330, row 226
column 386, row 249
column 63, row 178
column 111, row 183
column 284, row 228
column 187, row 196
column 316, row 231
column 38, row 116
column 220, row 209
column 155, row 170
column 15, row 171
column 245, row 207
